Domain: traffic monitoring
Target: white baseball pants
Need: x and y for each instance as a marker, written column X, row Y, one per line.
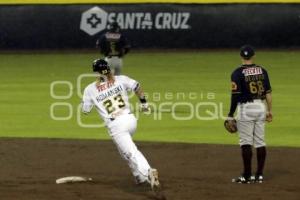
column 115, row 63
column 251, row 123
column 121, row 130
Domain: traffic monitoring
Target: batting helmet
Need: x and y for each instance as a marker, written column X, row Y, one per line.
column 101, row 66
column 247, row 52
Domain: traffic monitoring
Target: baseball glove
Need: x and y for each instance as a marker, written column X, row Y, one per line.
column 230, row 125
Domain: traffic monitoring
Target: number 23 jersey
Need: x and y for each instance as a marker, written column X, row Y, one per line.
column 109, row 98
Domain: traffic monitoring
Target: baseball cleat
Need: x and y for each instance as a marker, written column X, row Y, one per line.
column 139, row 181
column 243, row 179
column 259, row 179
column 153, row 178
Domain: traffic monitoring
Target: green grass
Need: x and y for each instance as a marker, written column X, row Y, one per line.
column 25, row 94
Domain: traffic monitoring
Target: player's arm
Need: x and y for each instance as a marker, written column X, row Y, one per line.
column 269, row 114
column 141, row 95
column 233, row 105
column 235, row 93
column 133, row 85
column 125, row 46
column 87, row 103
column 100, row 43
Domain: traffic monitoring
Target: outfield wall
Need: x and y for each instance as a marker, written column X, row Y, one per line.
column 141, row 1
column 151, row 25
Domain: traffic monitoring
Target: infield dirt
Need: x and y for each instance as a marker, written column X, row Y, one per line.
column 29, row 168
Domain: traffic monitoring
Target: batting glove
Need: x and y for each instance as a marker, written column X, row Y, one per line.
column 145, row 108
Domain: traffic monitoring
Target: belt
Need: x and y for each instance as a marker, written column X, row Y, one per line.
column 257, row 100
column 253, row 101
column 112, row 56
column 113, row 118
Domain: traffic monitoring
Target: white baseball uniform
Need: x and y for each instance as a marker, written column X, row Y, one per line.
column 111, row 102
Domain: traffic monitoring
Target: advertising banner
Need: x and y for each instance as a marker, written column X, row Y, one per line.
column 150, row 25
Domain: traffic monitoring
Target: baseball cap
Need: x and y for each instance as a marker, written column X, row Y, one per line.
column 114, row 26
column 247, row 51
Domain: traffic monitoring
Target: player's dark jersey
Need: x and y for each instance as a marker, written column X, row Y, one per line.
column 250, row 82
column 113, row 44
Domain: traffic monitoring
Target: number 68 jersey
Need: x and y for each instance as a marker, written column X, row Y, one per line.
column 109, row 98
column 250, row 82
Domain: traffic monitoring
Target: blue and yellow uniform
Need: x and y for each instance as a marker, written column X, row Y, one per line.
column 114, row 45
column 250, row 87
column 248, row 82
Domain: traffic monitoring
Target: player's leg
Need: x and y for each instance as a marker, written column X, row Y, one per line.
column 152, row 173
column 261, row 152
column 110, row 63
column 259, row 140
column 245, row 129
column 138, row 164
column 131, row 129
column 115, row 64
column 118, row 62
column 135, row 159
column 121, row 130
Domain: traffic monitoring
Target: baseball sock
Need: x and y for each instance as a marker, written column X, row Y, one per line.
column 261, row 157
column 247, row 157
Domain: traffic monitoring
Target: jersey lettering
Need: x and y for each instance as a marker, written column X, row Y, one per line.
column 250, row 82
column 109, row 93
column 252, row 71
column 110, row 99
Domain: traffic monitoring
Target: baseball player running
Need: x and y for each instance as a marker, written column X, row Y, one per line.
column 114, row 45
column 109, row 96
column 250, row 90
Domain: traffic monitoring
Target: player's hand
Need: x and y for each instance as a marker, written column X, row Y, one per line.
column 145, row 108
column 269, row 116
column 230, row 125
column 230, row 118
